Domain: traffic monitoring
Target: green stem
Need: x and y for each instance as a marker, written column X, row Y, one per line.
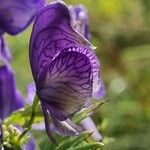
column 29, row 125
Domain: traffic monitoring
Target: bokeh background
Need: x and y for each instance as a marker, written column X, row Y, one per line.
column 121, row 31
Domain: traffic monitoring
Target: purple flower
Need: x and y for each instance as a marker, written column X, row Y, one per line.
column 10, row 97
column 80, row 20
column 15, row 16
column 64, row 66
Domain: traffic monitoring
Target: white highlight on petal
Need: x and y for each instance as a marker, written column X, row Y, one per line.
column 64, row 123
column 65, row 127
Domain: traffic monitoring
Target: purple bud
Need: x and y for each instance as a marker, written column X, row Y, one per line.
column 80, row 20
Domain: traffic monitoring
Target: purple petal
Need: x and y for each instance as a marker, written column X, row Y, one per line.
column 79, row 20
column 1, row 31
column 95, row 64
column 47, row 123
column 67, row 85
column 4, row 51
column 53, row 33
column 16, row 15
column 10, row 99
column 101, row 92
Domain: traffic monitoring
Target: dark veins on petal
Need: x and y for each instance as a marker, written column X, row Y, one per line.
column 68, row 84
column 64, row 66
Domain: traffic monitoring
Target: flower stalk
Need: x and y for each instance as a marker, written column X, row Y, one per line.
column 32, row 118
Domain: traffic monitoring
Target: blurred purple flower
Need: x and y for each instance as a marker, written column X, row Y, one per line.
column 31, row 91
column 30, row 145
column 10, row 97
column 15, row 16
column 64, row 66
column 80, row 20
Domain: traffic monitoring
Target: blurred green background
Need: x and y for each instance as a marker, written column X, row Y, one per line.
column 121, row 31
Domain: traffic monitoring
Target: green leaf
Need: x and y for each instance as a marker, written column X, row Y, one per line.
column 86, row 111
column 72, row 141
column 22, row 116
column 46, row 144
column 80, row 141
column 93, row 145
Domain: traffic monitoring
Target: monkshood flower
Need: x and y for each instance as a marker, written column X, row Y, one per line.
column 10, row 97
column 64, row 66
column 80, row 20
column 15, row 16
